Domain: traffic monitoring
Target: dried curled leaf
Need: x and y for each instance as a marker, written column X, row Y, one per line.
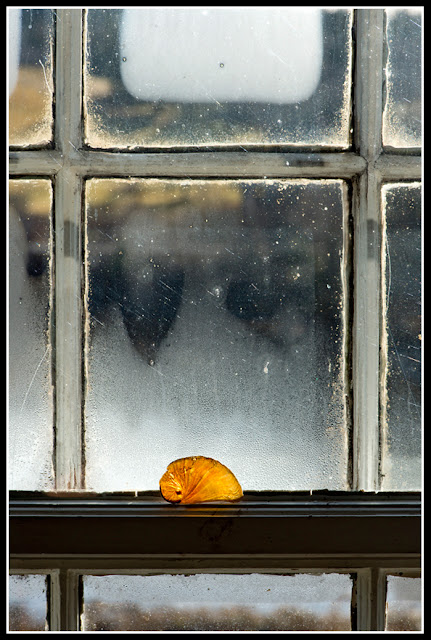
column 199, row 479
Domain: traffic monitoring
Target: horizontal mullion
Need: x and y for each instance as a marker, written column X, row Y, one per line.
column 141, row 564
column 41, row 162
column 227, row 164
column 183, row 165
column 396, row 167
column 224, row 164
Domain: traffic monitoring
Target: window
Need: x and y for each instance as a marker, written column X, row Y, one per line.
column 220, row 255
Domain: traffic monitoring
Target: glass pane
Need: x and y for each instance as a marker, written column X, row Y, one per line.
column 216, row 602
column 216, row 328
column 404, row 611
column 402, row 335
column 402, row 114
column 30, row 394
column 28, row 603
column 31, row 86
column 217, row 76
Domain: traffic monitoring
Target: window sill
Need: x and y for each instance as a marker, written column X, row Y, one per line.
column 350, row 526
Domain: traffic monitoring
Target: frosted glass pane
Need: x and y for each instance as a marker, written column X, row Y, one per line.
column 216, row 328
column 215, row 602
column 14, row 46
column 191, row 55
column 217, row 76
column 27, row 603
column 31, row 86
column 402, row 337
column 404, row 608
column 30, row 396
column 402, row 114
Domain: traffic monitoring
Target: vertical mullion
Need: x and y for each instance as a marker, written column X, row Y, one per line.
column 54, row 601
column 69, row 582
column 68, row 252
column 366, row 215
column 370, row 600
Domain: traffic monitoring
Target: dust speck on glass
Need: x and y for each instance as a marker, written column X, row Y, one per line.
column 216, row 326
column 221, row 76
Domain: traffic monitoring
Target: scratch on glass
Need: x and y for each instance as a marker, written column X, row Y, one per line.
column 32, row 380
column 44, row 73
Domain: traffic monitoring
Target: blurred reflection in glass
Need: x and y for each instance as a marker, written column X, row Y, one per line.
column 30, row 397
column 31, row 86
column 402, row 336
column 216, row 328
column 404, row 608
column 217, row 76
column 215, row 602
column 28, row 603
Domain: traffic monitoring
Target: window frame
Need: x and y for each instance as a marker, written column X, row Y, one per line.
column 365, row 534
column 38, row 521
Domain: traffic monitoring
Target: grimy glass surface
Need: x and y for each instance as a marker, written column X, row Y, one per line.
column 28, row 603
column 31, row 86
column 402, row 337
column 217, row 76
column 216, row 328
column 404, row 604
column 402, row 113
column 216, row 602
column 30, row 396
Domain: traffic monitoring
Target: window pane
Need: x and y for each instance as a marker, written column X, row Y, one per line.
column 30, row 396
column 30, row 77
column 215, row 76
column 28, row 603
column 216, row 328
column 216, row 602
column 403, row 604
column 402, row 334
column 402, row 115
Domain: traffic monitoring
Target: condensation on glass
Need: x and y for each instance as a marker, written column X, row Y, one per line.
column 216, row 327
column 28, row 603
column 31, row 85
column 403, row 604
column 402, row 113
column 218, row 76
column 30, row 395
column 217, row 602
column 401, row 350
